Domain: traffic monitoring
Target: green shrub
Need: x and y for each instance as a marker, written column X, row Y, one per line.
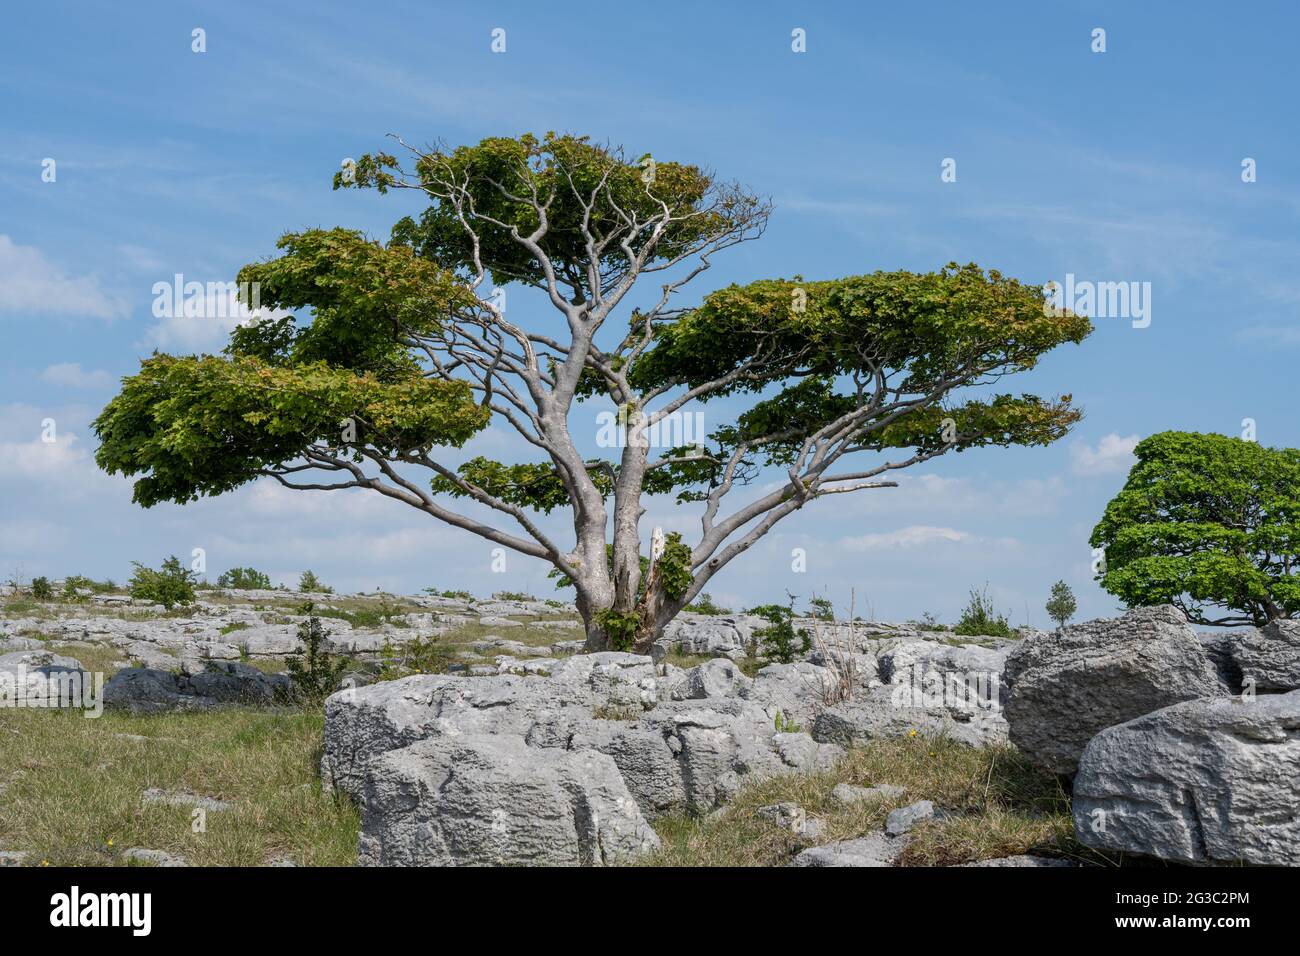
column 512, row 596
column 74, row 583
column 42, row 589
column 703, row 604
column 979, row 619
column 424, row 655
column 365, row 617
column 821, row 609
column 309, row 582
column 459, row 595
column 315, row 672
column 173, row 584
column 784, row 725
column 779, row 641
column 929, row 622
column 620, row 628
column 244, row 579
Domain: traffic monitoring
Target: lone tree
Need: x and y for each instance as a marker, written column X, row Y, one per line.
column 405, row 352
column 1206, row 522
column 1061, row 605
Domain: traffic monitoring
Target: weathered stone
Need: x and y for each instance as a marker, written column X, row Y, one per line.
column 144, row 690
column 799, row 690
column 479, row 799
column 875, row 849
column 537, row 667
column 37, row 662
column 913, row 662
column 369, row 721
column 512, row 648
column 153, row 857
column 230, row 682
column 1068, row 686
column 1270, row 656
column 1205, row 781
column 148, row 655
column 786, row 815
column 727, row 635
column 493, row 620
column 902, row 820
column 884, row 713
column 719, row 677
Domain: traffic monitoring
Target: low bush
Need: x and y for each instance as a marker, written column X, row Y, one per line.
column 169, row 586
column 980, row 619
column 704, row 604
column 309, row 582
column 779, row 641
column 315, row 671
column 424, row 655
column 244, row 579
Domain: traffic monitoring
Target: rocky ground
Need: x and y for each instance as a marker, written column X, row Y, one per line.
column 877, row 745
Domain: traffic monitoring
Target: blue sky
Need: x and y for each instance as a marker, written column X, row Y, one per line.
column 1118, row 166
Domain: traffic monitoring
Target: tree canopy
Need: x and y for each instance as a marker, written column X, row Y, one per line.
column 401, row 356
column 1210, row 524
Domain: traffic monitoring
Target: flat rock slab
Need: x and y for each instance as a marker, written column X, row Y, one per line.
column 885, row 713
column 875, row 849
column 905, row 818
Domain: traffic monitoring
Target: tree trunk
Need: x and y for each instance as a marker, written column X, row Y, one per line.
column 596, row 639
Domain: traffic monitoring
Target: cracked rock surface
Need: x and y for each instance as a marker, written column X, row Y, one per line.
column 1206, row 781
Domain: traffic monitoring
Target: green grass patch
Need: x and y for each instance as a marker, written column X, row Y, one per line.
column 1000, row 806
column 97, row 658
column 686, row 661
column 72, row 788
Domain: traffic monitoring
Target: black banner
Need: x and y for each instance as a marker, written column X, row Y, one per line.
column 139, row 905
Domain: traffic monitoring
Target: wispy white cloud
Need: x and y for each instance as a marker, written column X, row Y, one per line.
column 30, row 284
column 71, row 375
column 1113, row 455
column 205, row 322
column 909, row 537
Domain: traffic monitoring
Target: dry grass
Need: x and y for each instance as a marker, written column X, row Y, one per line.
column 70, row 787
column 96, row 658
column 686, row 661
column 527, row 634
column 999, row 806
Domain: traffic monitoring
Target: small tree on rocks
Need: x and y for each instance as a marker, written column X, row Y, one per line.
column 1061, row 605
